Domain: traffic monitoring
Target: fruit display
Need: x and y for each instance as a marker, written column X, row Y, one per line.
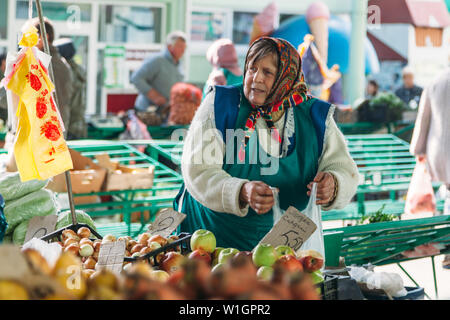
column 203, row 272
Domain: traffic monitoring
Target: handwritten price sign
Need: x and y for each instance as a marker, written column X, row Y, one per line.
column 41, row 226
column 292, row 230
column 166, row 222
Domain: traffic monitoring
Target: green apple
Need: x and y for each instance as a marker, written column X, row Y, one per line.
column 203, row 239
column 265, row 273
column 216, row 255
column 264, row 255
column 227, row 254
column 218, row 267
column 284, row 250
column 317, row 277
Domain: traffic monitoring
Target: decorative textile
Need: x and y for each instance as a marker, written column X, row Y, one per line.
column 289, row 89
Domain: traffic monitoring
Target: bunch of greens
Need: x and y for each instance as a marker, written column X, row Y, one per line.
column 378, row 216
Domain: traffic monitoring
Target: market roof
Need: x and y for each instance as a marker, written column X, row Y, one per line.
column 420, row 13
column 384, row 52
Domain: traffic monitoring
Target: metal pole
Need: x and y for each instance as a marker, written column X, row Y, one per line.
column 434, row 277
column 50, row 71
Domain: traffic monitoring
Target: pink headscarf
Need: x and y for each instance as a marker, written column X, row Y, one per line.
column 222, row 54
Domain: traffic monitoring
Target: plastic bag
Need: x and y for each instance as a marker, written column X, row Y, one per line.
column 185, row 98
column 420, row 197
column 11, row 188
column 277, row 211
column 312, row 211
column 391, row 283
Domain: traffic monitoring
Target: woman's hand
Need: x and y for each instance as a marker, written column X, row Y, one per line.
column 258, row 195
column 325, row 187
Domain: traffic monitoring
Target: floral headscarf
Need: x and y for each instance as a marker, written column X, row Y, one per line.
column 288, row 90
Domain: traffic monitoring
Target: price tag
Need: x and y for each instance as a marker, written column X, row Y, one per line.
column 111, row 255
column 292, row 230
column 41, row 226
column 166, row 222
column 13, row 264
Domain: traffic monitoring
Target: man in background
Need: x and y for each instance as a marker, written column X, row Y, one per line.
column 158, row 73
column 409, row 93
column 77, row 128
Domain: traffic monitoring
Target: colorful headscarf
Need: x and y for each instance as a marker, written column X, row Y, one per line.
column 289, row 89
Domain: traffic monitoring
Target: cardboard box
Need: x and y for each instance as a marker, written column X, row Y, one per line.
column 121, row 177
column 86, row 176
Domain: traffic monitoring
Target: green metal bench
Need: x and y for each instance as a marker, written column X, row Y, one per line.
column 384, row 242
column 171, row 150
column 165, row 185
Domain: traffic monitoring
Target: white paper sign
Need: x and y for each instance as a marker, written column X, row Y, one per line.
column 166, row 222
column 111, row 255
column 292, row 230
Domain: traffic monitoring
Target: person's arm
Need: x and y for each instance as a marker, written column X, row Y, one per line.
column 143, row 78
column 420, row 134
column 336, row 160
column 202, row 161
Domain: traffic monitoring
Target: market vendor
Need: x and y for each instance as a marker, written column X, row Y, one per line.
column 282, row 138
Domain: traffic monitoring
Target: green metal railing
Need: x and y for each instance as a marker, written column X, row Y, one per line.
column 385, row 242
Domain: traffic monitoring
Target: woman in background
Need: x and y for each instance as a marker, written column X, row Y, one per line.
column 223, row 58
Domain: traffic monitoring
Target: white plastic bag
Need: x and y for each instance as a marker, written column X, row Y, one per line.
column 420, row 197
column 312, row 211
column 277, row 211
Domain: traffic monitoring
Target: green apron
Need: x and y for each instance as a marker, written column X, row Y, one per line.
column 295, row 171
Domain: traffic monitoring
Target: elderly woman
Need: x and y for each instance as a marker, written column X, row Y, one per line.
column 265, row 133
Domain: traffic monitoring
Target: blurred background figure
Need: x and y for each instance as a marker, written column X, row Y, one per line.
column 431, row 136
column 77, row 128
column 409, row 93
column 158, row 73
column 3, row 102
column 61, row 70
column 224, row 60
column 371, row 89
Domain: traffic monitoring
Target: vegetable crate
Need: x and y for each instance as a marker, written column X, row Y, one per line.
column 183, row 243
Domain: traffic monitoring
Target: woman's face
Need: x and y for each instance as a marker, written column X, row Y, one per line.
column 259, row 79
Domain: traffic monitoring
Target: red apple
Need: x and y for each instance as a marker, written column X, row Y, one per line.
column 311, row 260
column 203, row 239
column 290, row 263
column 201, row 255
column 242, row 253
column 172, row 261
